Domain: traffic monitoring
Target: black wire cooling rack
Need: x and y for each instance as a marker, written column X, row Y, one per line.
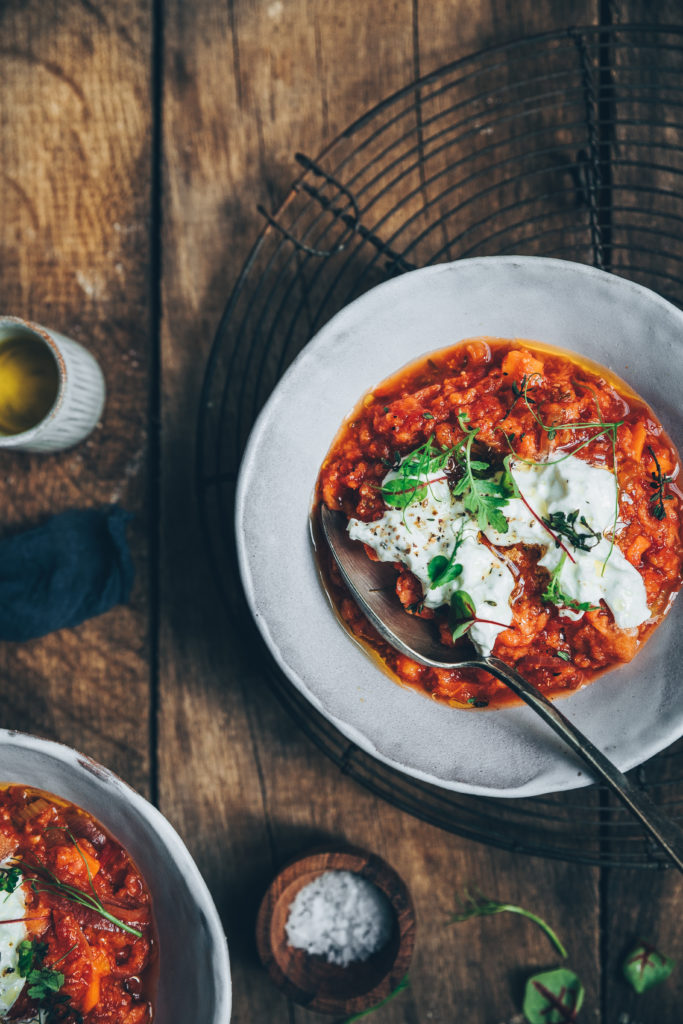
column 567, row 145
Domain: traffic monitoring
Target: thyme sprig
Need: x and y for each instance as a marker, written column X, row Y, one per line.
column 565, row 526
column 603, row 427
column 476, row 905
column 658, row 483
column 53, row 885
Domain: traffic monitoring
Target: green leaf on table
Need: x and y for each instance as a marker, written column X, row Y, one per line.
column 553, row 997
column 645, row 966
column 477, row 905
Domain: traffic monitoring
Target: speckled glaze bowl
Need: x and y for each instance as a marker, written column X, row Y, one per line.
column 194, row 970
column 633, row 711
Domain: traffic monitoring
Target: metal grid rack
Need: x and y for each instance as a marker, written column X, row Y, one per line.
column 567, row 145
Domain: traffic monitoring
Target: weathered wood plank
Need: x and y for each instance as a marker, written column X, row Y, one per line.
column 75, row 131
column 245, row 87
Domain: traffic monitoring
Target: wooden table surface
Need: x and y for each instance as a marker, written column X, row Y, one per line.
column 137, row 138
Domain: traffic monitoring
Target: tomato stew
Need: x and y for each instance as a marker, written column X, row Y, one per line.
column 89, row 952
column 517, row 395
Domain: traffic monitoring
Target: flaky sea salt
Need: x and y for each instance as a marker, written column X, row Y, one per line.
column 340, row 916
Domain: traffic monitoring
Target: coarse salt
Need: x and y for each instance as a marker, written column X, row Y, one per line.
column 340, row 916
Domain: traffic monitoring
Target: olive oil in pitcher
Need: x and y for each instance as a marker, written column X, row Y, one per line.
column 29, row 382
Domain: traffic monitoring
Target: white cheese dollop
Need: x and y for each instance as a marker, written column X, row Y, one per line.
column 416, row 534
column 12, row 908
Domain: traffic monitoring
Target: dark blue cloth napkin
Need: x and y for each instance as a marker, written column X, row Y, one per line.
column 73, row 567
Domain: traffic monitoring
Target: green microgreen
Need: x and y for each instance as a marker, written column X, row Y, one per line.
column 461, row 615
column 476, row 905
column 401, row 987
column 409, row 484
column 482, row 495
column 52, row 884
column 554, row 594
column 565, row 526
column 658, row 483
column 553, row 997
column 645, row 966
column 444, row 570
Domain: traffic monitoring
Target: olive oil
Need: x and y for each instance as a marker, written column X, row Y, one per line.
column 29, row 382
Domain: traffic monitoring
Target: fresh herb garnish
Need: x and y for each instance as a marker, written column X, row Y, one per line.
column 478, row 702
column 444, row 570
column 482, row 496
column 9, row 879
column 52, row 884
column 409, row 484
column 461, row 615
column 44, row 983
column 554, row 594
column 565, row 526
column 401, row 987
column 603, row 428
column 479, row 906
column 553, row 997
column 645, row 966
column 563, row 655
column 658, row 483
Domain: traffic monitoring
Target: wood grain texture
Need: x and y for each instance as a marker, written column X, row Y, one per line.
column 75, row 131
column 245, row 87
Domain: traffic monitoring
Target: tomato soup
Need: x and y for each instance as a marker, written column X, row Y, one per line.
column 77, row 939
column 529, row 502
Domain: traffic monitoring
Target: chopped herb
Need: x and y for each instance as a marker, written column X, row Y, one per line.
column 565, row 525
column 563, row 655
column 9, row 879
column 427, row 416
column 30, row 954
column 444, row 570
column 645, row 966
column 386, row 408
column 478, row 906
column 553, row 594
column 658, row 483
column 478, row 702
column 553, row 997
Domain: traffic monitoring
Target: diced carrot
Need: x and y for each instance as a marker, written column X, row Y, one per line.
column 638, row 435
column 99, row 966
column 519, row 364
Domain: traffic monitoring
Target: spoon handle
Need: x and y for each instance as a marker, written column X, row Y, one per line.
column 664, row 831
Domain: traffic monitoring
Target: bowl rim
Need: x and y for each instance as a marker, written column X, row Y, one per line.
column 617, row 288
column 174, row 844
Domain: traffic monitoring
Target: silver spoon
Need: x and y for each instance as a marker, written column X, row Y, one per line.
column 372, row 586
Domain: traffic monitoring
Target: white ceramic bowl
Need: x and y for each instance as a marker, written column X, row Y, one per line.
column 194, row 970
column 632, row 712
